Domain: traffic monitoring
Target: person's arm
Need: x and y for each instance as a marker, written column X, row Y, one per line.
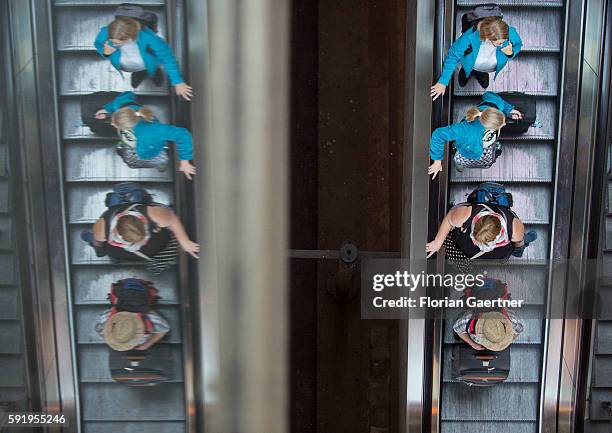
column 105, row 48
column 99, row 232
column 152, row 340
column 465, row 337
column 164, row 217
column 439, row 138
column 184, row 145
column 518, row 233
column 124, row 98
column 455, row 53
column 164, row 54
column 496, row 99
column 513, row 45
column 454, row 218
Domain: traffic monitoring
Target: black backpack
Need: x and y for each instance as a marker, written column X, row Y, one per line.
column 479, row 367
column 146, row 18
column 473, row 17
column 127, row 193
column 491, row 193
column 492, row 289
column 133, row 295
column 90, row 104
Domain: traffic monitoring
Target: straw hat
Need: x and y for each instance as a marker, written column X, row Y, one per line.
column 124, row 331
column 494, row 331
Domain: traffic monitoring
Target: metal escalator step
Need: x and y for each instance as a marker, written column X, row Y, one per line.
column 85, row 73
column 12, row 369
column 7, row 268
column 12, row 394
column 602, row 371
column 515, row 3
column 530, row 286
column 519, row 162
column 518, row 76
column 117, row 402
column 5, row 201
column 532, row 332
column 598, row 412
column 77, row 30
column 9, row 303
column 6, row 232
column 502, row 402
column 92, row 284
column 4, row 160
column 539, row 28
column 489, row 427
column 95, row 163
column 134, row 426
column 524, row 364
column 86, row 318
column 93, row 363
column 531, row 202
column 10, row 336
column 603, row 344
column 72, row 124
column 98, row 3
column 86, row 201
column 546, row 113
column 608, row 222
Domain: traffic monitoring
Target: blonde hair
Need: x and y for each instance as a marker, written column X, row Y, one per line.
column 493, row 29
column 491, row 118
column 131, row 229
column 127, row 117
column 124, row 29
column 487, row 229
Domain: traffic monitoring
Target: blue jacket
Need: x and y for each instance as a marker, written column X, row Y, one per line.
column 151, row 137
column 467, row 135
column 153, row 49
column 471, row 39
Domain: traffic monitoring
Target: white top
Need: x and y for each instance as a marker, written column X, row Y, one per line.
column 489, row 137
column 486, row 60
column 131, row 59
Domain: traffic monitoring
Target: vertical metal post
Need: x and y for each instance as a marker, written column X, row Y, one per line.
column 239, row 121
column 419, row 72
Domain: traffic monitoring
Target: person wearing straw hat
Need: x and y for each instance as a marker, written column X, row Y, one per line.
column 493, row 330
column 124, row 330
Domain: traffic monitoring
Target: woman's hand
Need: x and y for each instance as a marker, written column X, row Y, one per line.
column 507, row 50
column 108, row 50
column 516, row 115
column 187, row 168
column 434, row 169
column 191, row 248
column 101, row 114
column 433, row 247
column 184, row 90
column 437, row 90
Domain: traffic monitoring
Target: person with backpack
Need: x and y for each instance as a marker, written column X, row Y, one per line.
column 131, row 45
column 131, row 323
column 486, row 45
column 475, row 138
column 488, row 328
column 483, row 227
column 133, row 228
column 143, row 138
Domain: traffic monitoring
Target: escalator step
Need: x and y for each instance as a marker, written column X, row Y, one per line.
column 501, row 402
column 133, row 426
column 10, row 335
column 117, row 402
column 493, row 427
column 12, row 369
column 9, row 303
column 93, row 284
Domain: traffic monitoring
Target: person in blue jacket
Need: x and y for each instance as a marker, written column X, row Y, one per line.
column 144, row 139
column 476, row 133
column 134, row 48
column 481, row 49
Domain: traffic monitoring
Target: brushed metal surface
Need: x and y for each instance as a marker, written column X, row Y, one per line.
column 76, row 29
column 92, row 162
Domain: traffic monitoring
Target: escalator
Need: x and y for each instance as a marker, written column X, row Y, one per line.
column 526, row 167
column 91, row 167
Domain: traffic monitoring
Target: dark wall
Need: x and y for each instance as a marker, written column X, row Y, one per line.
column 347, row 137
